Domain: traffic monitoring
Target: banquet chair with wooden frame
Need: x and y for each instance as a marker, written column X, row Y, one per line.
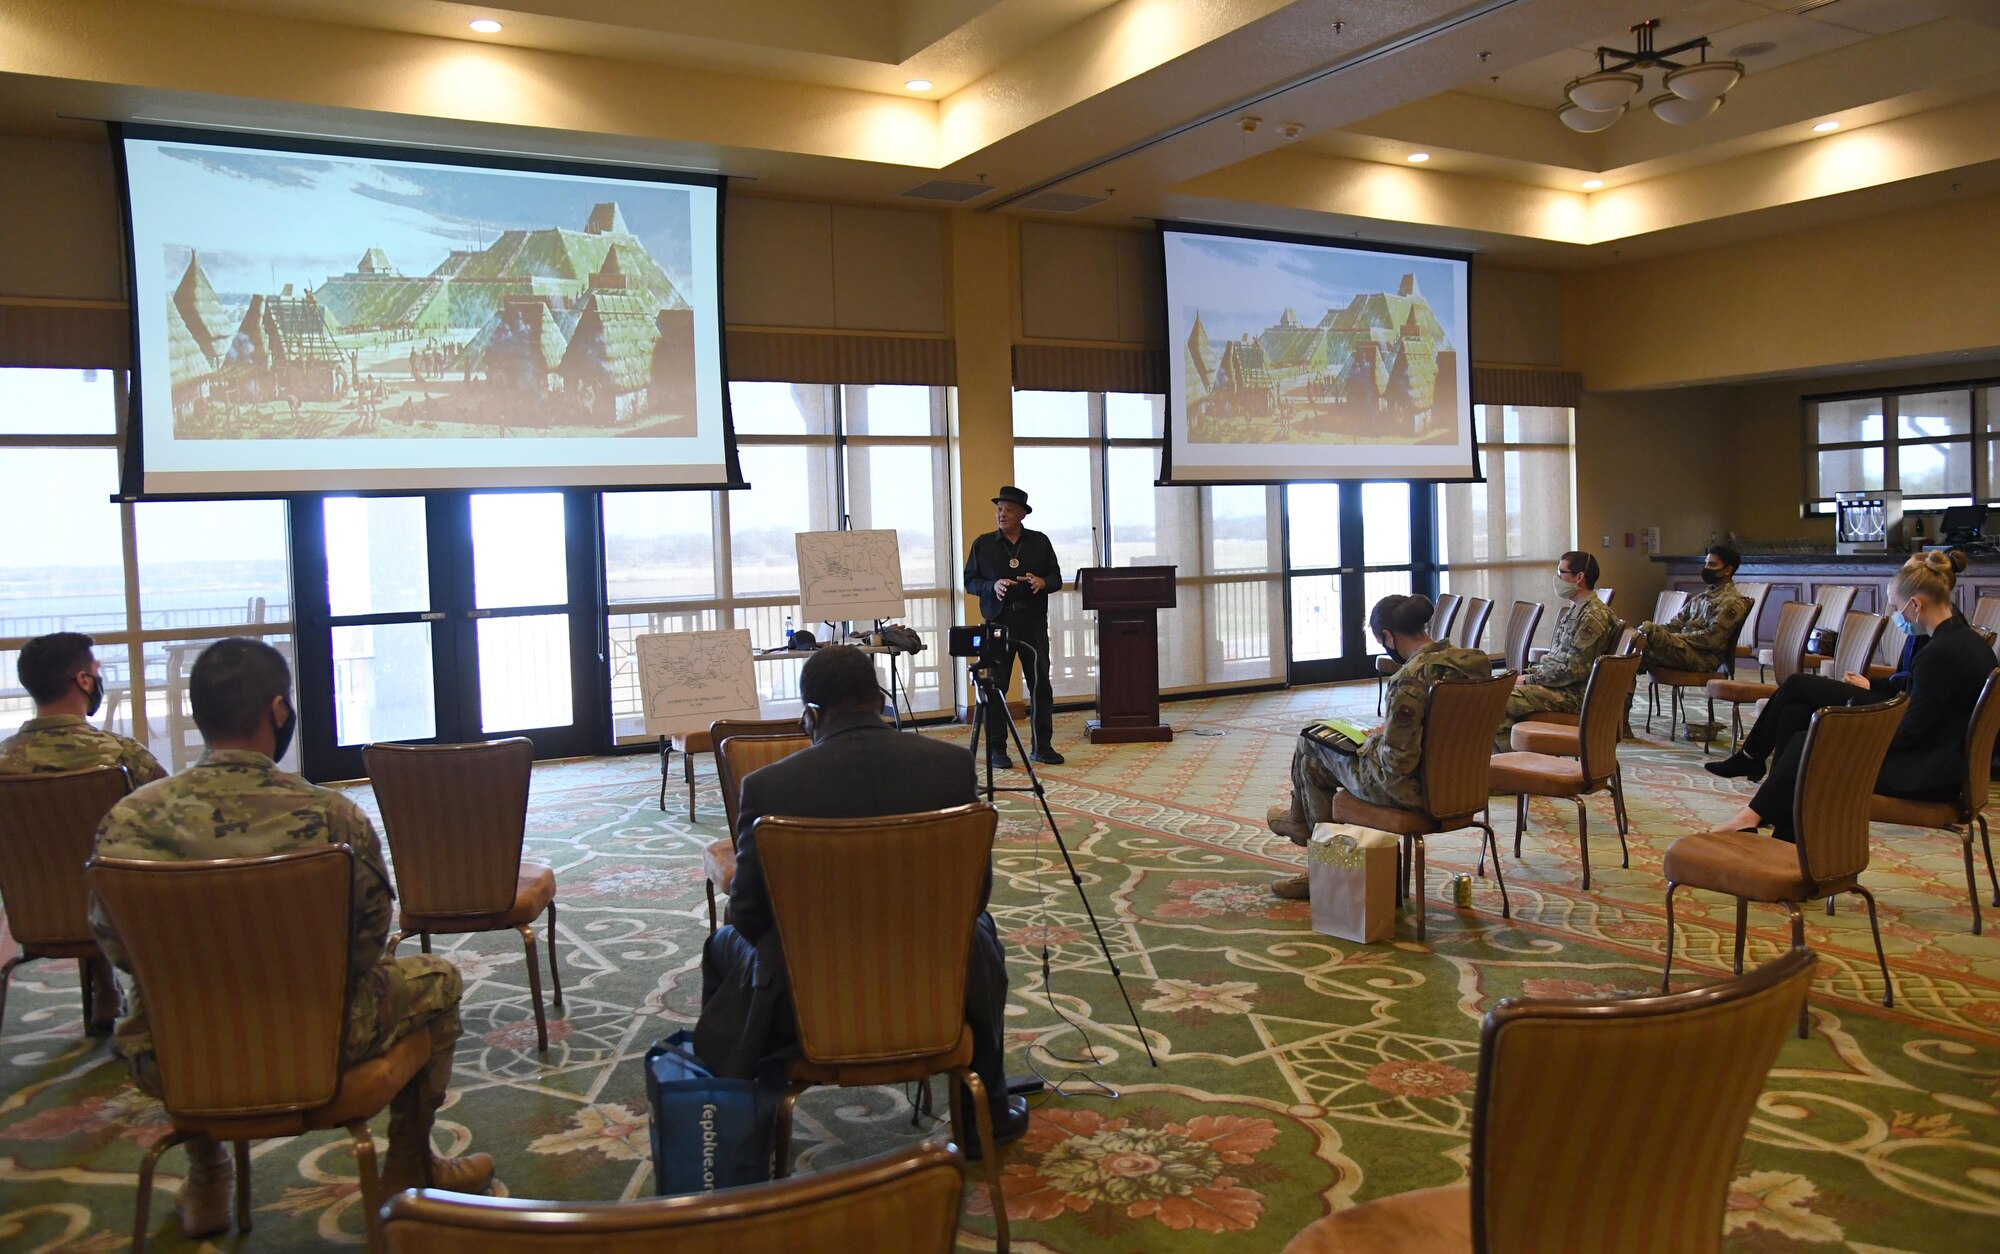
column 1844, row 749
column 1444, row 612
column 1606, row 698
column 1555, row 731
column 1788, row 654
column 1969, row 807
column 1655, row 1096
column 1472, row 618
column 691, row 743
column 1986, row 613
column 1860, row 636
column 1758, row 594
column 48, row 826
column 1522, row 621
column 904, row 1202
column 1460, row 719
column 738, row 753
column 875, row 917
column 1668, row 604
column 236, row 1063
column 1678, row 681
column 1605, row 595
column 1836, row 602
column 456, row 817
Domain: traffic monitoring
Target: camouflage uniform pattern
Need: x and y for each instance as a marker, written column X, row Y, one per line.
column 236, row 803
column 1584, row 630
column 67, row 742
column 1695, row 639
column 1384, row 770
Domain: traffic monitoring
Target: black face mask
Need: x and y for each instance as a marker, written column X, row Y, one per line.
column 1394, row 656
column 284, row 732
column 96, row 696
column 1712, row 577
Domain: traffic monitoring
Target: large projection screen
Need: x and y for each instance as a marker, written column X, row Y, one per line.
column 1297, row 359
column 314, row 317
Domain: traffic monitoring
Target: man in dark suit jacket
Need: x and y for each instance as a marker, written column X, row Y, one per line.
column 857, row 767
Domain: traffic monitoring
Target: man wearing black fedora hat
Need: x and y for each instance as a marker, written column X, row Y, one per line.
column 1012, row 571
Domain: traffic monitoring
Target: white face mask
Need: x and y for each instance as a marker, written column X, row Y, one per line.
column 1565, row 590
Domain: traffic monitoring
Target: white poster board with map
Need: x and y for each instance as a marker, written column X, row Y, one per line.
column 849, row 574
column 689, row 679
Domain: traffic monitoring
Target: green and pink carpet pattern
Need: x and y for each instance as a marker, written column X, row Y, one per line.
column 1297, row 1073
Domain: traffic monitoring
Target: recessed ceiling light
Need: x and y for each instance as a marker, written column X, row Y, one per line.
column 918, row 84
column 1420, row 157
column 1591, row 185
column 1824, row 127
column 485, row 26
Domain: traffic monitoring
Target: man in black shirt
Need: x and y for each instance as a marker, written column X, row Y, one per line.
column 1012, row 571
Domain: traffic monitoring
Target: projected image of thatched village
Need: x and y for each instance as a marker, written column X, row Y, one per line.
column 1380, row 370
column 566, row 328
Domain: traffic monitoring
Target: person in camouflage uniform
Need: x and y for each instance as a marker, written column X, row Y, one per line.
column 1698, row 635
column 1384, row 771
column 235, row 803
column 1584, row 629
column 62, row 676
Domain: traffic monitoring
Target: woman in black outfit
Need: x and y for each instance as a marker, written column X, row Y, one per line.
column 1942, row 669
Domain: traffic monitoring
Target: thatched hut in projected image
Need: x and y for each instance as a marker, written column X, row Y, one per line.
column 518, row 347
column 200, row 310
column 187, row 365
column 609, row 362
column 284, row 348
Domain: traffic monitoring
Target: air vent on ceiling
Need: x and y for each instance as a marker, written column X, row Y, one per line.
column 946, row 189
column 1059, row 202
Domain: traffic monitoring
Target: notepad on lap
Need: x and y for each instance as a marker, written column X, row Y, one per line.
column 1338, row 733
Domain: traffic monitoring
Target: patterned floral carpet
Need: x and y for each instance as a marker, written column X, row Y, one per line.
column 1296, row 1073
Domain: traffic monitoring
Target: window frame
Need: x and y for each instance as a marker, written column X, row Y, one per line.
column 1979, row 441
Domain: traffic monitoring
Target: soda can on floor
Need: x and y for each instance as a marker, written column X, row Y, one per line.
column 1461, row 891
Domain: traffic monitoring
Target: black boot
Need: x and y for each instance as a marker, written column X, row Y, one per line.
column 1738, row 765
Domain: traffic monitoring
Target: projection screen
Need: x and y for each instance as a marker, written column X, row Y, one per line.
column 334, row 318
column 1299, row 359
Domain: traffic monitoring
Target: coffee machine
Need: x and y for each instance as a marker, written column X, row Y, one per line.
column 1868, row 522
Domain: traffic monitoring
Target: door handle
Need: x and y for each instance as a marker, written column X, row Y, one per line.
column 479, row 613
column 435, row 616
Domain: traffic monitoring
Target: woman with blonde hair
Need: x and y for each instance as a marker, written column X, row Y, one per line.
column 1944, row 666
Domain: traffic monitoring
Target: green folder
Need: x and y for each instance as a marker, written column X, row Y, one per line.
column 1347, row 727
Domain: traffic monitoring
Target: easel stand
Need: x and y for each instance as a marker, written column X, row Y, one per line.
column 988, row 697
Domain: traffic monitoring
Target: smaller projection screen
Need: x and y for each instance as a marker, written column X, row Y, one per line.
column 313, row 317
column 1299, row 359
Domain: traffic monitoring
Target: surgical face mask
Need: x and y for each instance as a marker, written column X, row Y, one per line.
column 284, row 732
column 1904, row 623
column 1712, row 577
column 1565, row 590
column 96, row 695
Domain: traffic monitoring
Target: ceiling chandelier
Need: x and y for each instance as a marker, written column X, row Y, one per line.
column 1693, row 90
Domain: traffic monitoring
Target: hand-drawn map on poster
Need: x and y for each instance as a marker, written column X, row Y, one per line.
column 849, row 575
column 689, row 679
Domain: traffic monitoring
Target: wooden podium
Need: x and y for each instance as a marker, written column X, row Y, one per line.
column 1127, row 601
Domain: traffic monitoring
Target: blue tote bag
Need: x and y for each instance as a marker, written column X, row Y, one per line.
column 708, row 1133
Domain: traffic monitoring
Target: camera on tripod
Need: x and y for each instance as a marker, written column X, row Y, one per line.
column 985, row 643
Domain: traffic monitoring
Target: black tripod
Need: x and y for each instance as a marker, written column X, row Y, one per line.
column 989, row 697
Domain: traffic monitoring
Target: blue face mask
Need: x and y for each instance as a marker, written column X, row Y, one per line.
column 1903, row 624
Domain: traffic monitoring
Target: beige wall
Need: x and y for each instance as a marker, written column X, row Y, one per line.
column 60, row 236
column 1650, row 459
column 794, row 263
column 1910, row 284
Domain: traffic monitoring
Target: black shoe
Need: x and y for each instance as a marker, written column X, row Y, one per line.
column 999, row 761
column 1009, row 1124
column 1738, row 765
column 1047, row 756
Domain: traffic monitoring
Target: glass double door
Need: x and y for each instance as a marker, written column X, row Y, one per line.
column 1347, row 545
column 445, row 618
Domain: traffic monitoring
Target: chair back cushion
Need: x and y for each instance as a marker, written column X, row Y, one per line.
column 1834, row 600
column 242, row 965
column 456, row 816
column 1979, row 737
column 1444, row 612
column 1670, row 603
column 1521, row 623
column 1859, row 635
column 1607, row 698
column 1986, row 613
column 1788, row 651
column 905, row 1202
column 1843, row 753
column 1472, row 616
column 1758, row 594
column 1727, row 666
column 1630, row 640
column 875, row 917
column 736, row 755
column 1602, row 1125
column 1460, row 719
column 48, row 823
